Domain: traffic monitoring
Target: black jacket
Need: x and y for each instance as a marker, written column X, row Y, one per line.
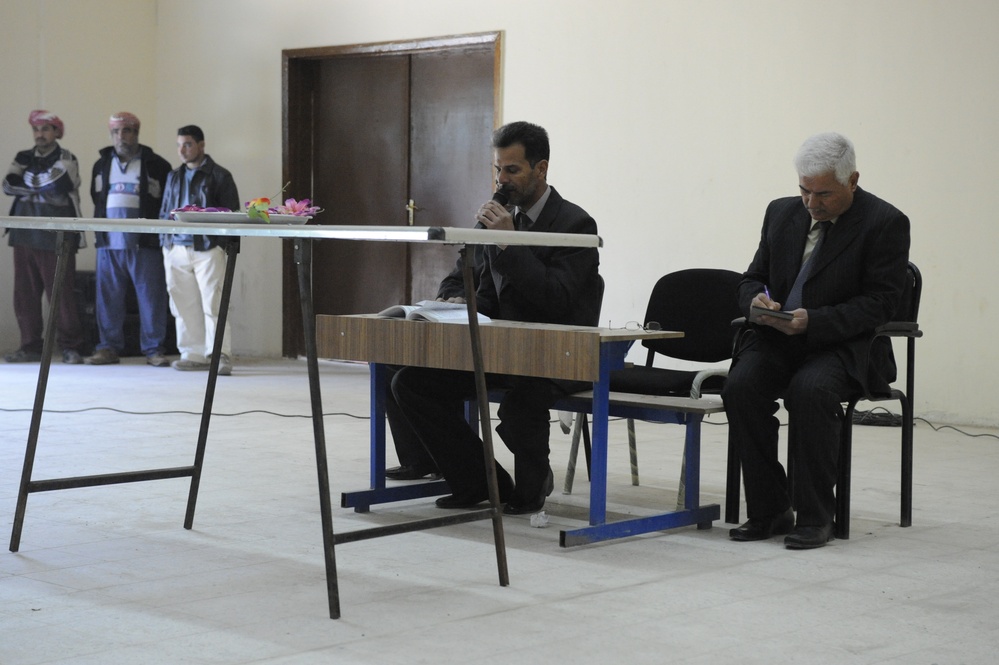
column 152, row 180
column 544, row 284
column 855, row 285
column 212, row 186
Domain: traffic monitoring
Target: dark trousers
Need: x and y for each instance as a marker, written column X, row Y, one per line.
column 143, row 267
column 408, row 447
column 813, row 385
column 432, row 400
column 34, row 275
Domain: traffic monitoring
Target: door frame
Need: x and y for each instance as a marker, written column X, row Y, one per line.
column 299, row 68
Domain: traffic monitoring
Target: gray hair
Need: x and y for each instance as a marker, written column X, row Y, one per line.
column 826, row 153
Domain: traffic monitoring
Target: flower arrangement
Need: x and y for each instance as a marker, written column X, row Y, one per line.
column 262, row 209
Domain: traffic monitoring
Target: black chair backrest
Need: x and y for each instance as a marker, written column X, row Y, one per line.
column 700, row 302
column 908, row 306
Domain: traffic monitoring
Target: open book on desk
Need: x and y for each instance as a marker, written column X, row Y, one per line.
column 432, row 310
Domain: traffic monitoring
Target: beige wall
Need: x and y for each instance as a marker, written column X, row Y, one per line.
column 673, row 122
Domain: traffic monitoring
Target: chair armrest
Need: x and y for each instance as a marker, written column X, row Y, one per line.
column 899, row 329
column 741, row 325
column 695, row 386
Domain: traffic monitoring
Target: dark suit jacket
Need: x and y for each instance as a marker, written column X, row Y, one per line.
column 544, row 284
column 854, row 285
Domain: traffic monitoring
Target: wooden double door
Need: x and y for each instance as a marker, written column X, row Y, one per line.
column 381, row 135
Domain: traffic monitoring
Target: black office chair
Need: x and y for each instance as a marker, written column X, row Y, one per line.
column 904, row 324
column 700, row 302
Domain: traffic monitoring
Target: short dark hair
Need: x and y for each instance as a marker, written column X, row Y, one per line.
column 534, row 138
column 193, row 131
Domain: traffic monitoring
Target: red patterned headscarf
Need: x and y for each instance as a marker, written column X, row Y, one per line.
column 123, row 119
column 41, row 117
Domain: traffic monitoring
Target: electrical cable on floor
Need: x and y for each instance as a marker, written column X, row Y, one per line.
column 873, row 417
column 886, row 419
column 188, row 413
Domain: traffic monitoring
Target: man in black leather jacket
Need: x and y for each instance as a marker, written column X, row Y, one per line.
column 195, row 264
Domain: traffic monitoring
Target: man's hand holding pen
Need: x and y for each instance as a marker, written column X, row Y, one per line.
column 796, row 326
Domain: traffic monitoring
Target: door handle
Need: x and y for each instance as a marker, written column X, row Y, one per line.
column 411, row 209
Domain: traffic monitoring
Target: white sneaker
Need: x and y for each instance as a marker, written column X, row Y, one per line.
column 189, row 365
column 225, row 365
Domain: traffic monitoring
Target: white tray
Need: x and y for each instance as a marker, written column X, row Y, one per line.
column 236, row 218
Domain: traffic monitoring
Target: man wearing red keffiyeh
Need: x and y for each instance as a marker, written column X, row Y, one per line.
column 45, row 182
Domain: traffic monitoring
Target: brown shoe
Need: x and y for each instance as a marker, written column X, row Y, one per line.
column 103, row 357
column 157, row 360
column 22, row 356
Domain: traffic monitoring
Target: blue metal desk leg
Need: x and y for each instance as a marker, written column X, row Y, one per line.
column 598, row 444
column 692, row 457
column 379, row 386
column 611, row 356
column 377, row 492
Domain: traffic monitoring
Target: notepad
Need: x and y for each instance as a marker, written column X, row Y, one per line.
column 755, row 313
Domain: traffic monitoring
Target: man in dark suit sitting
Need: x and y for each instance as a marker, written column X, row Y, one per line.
column 516, row 283
column 835, row 259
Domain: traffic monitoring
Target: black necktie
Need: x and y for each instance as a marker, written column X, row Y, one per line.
column 794, row 297
column 522, row 222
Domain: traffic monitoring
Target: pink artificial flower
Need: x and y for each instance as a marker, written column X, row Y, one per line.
column 293, row 207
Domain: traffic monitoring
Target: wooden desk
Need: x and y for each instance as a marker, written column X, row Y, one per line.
column 302, row 236
column 559, row 352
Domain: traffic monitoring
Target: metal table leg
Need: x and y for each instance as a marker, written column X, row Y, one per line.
column 231, row 250
column 303, row 258
column 63, row 241
column 485, row 426
column 362, row 500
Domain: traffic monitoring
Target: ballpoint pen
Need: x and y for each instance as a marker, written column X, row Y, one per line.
column 766, row 292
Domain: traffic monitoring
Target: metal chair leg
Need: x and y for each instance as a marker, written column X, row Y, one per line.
column 570, row 470
column 633, row 451
column 842, row 527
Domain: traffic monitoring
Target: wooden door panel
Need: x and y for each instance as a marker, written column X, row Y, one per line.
column 360, row 177
column 450, row 159
column 352, row 142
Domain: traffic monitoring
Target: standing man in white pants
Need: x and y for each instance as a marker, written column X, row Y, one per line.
column 195, row 264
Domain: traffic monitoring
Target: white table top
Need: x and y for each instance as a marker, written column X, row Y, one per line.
column 425, row 234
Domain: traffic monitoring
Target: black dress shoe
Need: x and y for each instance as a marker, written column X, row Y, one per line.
column 461, row 500
column 757, row 529
column 808, row 537
column 411, row 472
column 515, row 507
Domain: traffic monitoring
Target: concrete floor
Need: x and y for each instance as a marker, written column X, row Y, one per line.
column 108, row 574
